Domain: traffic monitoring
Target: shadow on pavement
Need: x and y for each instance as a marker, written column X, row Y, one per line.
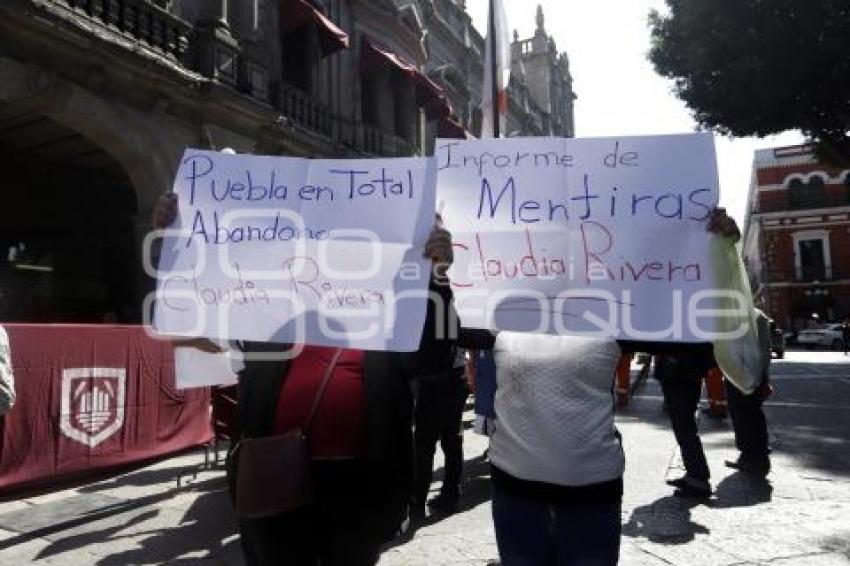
column 665, row 521
column 839, row 544
column 741, row 490
column 146, row 478
column 84, row 522
column 475, row 490
column 206, row 530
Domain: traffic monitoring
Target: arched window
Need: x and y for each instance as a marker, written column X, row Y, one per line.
column 807, row 195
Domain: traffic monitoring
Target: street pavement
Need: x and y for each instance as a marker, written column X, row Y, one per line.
column 177, row 511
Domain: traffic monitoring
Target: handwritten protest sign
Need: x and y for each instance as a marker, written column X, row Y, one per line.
column 602, row 236
column 298, row 251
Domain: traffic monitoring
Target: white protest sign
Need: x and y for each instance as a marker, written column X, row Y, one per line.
column 604, row 235
column 289, row 250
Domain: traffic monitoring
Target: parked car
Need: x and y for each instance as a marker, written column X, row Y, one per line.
column 825, row 335
column 777, row 340
column 790, row 337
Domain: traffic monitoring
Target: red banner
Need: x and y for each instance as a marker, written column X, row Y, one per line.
column 92, row 398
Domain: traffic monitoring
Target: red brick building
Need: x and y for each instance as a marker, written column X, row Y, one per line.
column 797, row 237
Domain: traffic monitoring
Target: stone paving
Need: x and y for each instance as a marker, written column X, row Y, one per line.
column 177, row 511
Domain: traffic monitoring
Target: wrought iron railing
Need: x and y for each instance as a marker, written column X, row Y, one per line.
column 305, row 111
column 140, row 20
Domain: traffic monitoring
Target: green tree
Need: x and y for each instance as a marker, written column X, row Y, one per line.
column 759, row 67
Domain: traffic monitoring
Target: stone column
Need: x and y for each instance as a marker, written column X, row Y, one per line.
column 217, row 50
column 213, row 13
column 253, row 62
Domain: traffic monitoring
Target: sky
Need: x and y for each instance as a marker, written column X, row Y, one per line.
column 619, row 93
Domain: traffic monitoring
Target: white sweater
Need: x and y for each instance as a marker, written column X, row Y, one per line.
column 555, row 409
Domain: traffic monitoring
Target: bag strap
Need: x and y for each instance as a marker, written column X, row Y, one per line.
column 322, row 387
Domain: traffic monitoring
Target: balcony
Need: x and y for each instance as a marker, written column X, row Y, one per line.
column 304, row 111
column 139, row 21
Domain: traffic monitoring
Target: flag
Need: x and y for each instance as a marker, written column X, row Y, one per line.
column 497, row 71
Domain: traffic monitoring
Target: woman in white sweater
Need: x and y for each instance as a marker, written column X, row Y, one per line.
column 556, row 456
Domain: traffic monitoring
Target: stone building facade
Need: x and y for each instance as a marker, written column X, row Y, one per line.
column 99, row 98
column 540, row 94
column 796, row 241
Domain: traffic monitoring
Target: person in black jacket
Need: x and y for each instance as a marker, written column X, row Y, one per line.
column 360, row 436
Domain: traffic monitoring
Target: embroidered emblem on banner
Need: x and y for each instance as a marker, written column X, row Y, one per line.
column 92, row 403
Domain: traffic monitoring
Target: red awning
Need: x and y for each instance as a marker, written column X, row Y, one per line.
column 297, row 13
column 450, row 127
column 429, row 95
column 374, row 56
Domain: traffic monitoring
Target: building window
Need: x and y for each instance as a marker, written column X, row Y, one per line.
column 299, row 56
column 812, row 258
column 807, row 195
column 405, row 107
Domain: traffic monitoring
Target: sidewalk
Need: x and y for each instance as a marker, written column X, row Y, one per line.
column 801, row 519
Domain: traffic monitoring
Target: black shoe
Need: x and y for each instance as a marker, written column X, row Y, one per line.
column 691, row 487
column 678, row 482
column 444, row 503
column 751, row 467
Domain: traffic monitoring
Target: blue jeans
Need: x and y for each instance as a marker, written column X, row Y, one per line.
column 534, row 533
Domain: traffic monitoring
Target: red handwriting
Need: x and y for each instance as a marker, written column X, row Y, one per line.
column 535, row 264
column 601, row 262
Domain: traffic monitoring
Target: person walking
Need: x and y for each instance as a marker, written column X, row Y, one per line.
column 747, row 412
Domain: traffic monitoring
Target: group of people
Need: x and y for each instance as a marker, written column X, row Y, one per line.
column 556, row 456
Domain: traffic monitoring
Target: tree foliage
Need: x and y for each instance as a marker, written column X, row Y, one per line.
column 759, row 67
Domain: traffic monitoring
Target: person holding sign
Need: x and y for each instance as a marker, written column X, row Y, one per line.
column 556, row 455
column 355, row 408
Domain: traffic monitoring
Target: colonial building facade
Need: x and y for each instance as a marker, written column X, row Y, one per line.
column 99, row 98
column 797, row 237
